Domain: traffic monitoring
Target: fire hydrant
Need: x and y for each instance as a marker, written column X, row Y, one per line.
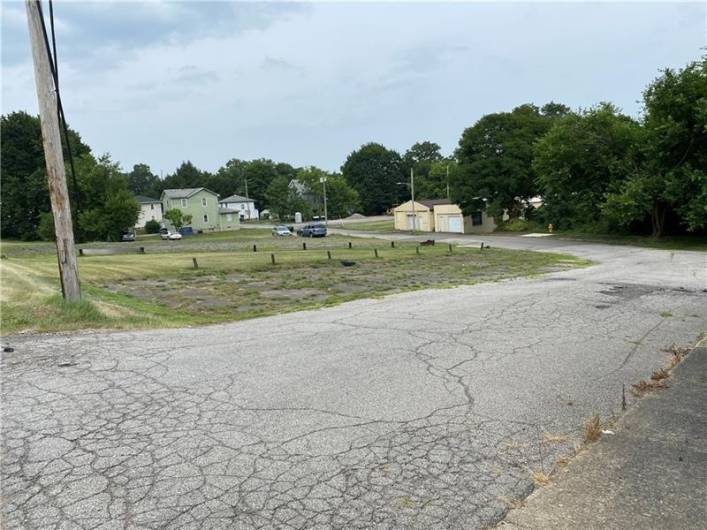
column 551, row 228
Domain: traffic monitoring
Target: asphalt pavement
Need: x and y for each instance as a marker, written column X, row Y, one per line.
column 428, row 409
column 650, row 472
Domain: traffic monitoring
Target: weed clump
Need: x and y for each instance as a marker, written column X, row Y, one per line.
column 592, row 429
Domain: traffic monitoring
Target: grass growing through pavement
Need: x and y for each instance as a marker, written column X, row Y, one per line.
column 161, row 288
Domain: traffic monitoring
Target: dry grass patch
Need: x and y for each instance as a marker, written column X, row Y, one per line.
column 541, row 479
column 592, row 429
column 677, row 354
column 643, row 387
column 554, row 438
column 511, row 502
column 660, row 374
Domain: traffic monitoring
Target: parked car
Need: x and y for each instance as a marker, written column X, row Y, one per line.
column 312, row 230
column 281, row 231
column 169, row 236
column 128, row 235
column 186, row 231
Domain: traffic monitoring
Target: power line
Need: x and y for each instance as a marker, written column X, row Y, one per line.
column 54, row 67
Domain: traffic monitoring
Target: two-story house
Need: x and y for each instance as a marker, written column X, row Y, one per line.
column 202, row 205
column 150, row 210
column 245, row 207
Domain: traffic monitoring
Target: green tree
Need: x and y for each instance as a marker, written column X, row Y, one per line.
column 375, row 173
column 141, row 181
column 583, row 157
column 260, row 174
column 187, row 175
column 421, row 158
column 342, row 199
column 152, row 227
column 108, row 206
column 177, row 218
column 230, row 179
column 442, row 174
column 495, row 158
column 23, row 179
column 283, row 200
column 670, row 180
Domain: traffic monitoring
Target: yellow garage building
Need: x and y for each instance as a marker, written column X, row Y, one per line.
column 440, row 215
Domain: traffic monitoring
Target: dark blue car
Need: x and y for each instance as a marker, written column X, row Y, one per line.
column 312, row 230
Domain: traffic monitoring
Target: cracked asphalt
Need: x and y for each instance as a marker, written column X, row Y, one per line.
column 419, row 410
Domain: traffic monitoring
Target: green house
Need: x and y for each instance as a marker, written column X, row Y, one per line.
column 202, row 205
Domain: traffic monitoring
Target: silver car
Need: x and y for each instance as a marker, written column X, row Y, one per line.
column 281, row 231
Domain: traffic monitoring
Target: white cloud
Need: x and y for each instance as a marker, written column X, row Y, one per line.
column 310, row 85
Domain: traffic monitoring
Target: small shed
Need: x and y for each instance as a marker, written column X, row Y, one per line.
column 418, row 217
column 448, row 218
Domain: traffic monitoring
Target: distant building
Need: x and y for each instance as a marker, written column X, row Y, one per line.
column 150, row 210
column 244, row 206
column 441, row 215
column 203, row 206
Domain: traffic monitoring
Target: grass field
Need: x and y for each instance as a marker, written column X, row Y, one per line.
column 686, row 242
column 161, row 288
column 384, row 225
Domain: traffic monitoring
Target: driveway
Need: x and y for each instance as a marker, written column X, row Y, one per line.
column 422, row 410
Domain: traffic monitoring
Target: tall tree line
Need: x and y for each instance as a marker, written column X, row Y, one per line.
column 595, row 169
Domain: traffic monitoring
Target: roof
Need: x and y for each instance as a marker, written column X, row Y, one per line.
column 431, row 203
column 184, row 193
column 236, row 198
column 224, row 211
column 143, row 199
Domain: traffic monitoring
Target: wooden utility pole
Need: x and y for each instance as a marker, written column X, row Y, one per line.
column 51, row 137
column 412, row 197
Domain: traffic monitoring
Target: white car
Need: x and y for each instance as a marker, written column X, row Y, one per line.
column 170, row 235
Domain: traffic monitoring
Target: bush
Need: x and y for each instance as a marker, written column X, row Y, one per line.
column 152, row 227
column 515, row 225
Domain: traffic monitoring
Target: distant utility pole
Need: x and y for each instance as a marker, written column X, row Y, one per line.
column 412, row 197
column 58, row 192
column 326, row 217
column 246, row 187
column 448, row 198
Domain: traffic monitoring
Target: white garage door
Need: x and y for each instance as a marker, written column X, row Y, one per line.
column 455, row 225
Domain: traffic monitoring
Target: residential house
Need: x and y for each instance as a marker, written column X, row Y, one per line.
column 440, row 215
column 202, row 205
column 244, row 206
column 150, row 210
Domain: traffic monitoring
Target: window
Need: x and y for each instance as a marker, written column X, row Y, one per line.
column 184, row 203
column 203, row 201
column 206, row 218
column 152, row 206
column 242, row 206
column 476, row 219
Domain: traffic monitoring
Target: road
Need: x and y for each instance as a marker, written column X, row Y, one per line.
column 428, row 409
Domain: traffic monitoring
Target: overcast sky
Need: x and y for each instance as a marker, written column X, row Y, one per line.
column 159, row 82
